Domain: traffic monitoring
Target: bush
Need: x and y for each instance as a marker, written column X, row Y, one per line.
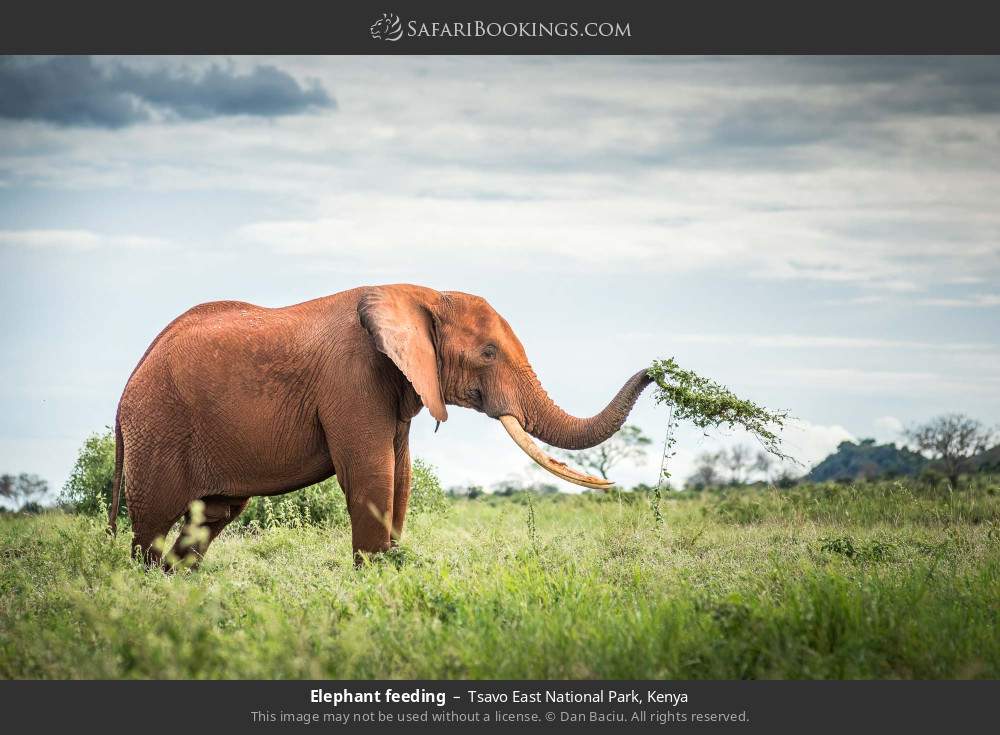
column 88, row 489
column 321, row 504
column 426, row 493
column 324, row 504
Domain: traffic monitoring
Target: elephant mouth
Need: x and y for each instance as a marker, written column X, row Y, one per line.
column 557, row 468
column 475, row 398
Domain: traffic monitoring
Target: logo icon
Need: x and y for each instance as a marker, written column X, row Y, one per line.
column 387, row 28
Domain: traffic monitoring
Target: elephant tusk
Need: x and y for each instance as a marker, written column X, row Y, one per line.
column 557, row 468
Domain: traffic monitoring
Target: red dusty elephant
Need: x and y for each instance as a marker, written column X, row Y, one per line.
column 233, row 400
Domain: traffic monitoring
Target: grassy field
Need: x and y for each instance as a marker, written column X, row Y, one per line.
column 816, row 582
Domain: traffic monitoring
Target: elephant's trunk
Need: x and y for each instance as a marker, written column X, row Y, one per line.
column 544, row 420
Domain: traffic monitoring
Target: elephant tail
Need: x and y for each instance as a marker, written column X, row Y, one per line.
column 116, row 487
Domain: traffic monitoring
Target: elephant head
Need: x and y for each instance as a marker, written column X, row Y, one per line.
column 456, row 350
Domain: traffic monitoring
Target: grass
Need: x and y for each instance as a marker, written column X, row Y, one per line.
column 871, row 581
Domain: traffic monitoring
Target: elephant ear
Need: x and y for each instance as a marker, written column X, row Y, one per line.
column 402, row 326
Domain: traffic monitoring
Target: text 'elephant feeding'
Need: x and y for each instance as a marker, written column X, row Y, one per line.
column 233, row 400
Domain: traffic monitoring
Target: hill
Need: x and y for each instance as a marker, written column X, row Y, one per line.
column 867, row 460
column 988, row 461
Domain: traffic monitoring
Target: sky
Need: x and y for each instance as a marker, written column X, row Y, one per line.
column 820, row 234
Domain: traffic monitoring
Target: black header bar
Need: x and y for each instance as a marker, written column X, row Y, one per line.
column 510, row 27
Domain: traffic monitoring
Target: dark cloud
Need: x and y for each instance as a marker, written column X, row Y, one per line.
column 74, row 90
column 849, row 102
column 773, row 123
column 930, row 85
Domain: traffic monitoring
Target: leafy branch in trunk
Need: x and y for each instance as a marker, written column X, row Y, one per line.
column 706, row 404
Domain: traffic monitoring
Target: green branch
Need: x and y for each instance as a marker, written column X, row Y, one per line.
column 706, row 404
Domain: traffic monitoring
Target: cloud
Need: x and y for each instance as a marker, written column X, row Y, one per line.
column 481, row 157
column 78, row 240
column 856, row 381
column 810, row 443
column 806, row 341
column 76, row 91
column 556, row 233
column 888, row 425
column 937, row 85
column 977, row 301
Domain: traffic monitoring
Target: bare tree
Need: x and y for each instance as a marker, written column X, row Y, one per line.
column 739, row 461
column 952, row 440
column 22, row 489
column 764, row 463
column 706, row 472
column 628, row 444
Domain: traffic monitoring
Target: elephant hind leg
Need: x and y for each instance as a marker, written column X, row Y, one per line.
column 201, row 528
column 149, row 533
column 155, row 500
column 145, row 546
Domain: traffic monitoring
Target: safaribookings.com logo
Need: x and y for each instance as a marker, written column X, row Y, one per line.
column 387, row 28
column 390, row 28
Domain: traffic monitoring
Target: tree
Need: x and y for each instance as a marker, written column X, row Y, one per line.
column 739, row 461
column 629, row 443
column 706, row 472
column 735, row 465
column 465, row 491
column 88, row 489
column 952, row 440
column 24, row 490
column 786, row 478
column 763, row 464
column 426, row 493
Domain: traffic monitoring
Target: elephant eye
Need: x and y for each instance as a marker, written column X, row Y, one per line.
column 490, row 352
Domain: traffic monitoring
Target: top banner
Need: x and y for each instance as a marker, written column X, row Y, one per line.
column 449, row 27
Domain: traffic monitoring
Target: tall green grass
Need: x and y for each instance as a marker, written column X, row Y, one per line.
column 817, row 582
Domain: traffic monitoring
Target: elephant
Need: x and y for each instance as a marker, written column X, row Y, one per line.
column 233, row 400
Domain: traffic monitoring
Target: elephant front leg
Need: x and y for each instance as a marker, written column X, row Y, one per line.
column 401, row 480
column 369, row 489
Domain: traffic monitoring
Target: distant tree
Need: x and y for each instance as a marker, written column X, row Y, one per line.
column 952, row 440
column 23, row 490
column 707, row 471
column 628, row 444
column 508, row 486
column 515, row 485
column 465, row 491
column 734, row 466
column 786, row 478
column 739, row 461
column 763, row 463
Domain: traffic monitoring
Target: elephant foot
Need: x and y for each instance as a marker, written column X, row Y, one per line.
column 398, row 556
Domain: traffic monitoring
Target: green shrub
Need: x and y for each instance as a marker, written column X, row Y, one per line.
column 738, row 509
column 426, row 493
column 323, row 504
column 88, row 492
column 88, row 489
column 876, row 550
